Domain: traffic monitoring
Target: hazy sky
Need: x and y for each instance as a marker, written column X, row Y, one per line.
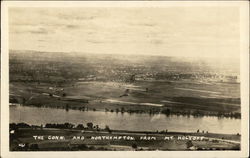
column 171, row 31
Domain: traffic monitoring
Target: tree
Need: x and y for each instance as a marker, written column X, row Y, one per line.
column 97, row 128
column 117, row 110
column 134, row 146
column 122, row 110
column 189, row 144
column 90, row 125
column 23, row 125
column 24, row 100
column 13, row 126
column 80, row 126
column 107, row 128
column 166, row 111
column 68, row 125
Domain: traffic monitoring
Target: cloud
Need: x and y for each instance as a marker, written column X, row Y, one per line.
column 157, row 41
column 41, row 40
column 95, row 41
column 30, row 30
column 40, row 31
column 147, row 24
column 75, row 17
column 72, row 26
column 126, row 30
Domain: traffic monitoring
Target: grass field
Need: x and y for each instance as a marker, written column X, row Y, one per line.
column 183, row 97
column 126, row 140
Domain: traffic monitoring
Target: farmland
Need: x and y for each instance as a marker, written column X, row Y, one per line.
column 140, row 85
column 128, row 93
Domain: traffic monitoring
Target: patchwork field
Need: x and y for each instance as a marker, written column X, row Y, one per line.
column 141, row 96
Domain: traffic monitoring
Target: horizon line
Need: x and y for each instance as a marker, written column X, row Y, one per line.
column 127, row 54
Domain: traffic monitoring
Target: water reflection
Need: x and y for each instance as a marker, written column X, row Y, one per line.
column 125, row 121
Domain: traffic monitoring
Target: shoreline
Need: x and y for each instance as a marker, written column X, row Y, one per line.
column 57, row 139
column 129, row 111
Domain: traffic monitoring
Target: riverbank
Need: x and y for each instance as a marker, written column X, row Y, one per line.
column 125, row 121
column 37, row 138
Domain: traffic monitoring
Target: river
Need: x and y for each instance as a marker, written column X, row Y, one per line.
column 125, row 121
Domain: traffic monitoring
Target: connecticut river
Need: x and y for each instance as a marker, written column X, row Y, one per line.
column 125, row 121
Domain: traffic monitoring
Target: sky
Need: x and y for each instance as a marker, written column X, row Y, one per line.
column 170, row 31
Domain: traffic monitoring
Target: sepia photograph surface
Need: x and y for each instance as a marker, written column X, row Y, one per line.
column 125, row 78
